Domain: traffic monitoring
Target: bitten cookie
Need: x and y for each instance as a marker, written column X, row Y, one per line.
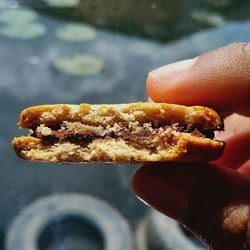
column 135, row 132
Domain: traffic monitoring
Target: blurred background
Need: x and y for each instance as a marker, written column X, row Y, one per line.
column 94, row 51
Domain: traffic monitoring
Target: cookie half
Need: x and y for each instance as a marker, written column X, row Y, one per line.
column 135, row 132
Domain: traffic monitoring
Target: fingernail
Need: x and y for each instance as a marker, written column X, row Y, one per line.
column 171, row 71
column 222, row 135
column 150, row 100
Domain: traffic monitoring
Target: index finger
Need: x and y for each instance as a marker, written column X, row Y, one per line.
column 219, row 79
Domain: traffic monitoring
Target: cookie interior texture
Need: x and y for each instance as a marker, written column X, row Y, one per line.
column 137, row 132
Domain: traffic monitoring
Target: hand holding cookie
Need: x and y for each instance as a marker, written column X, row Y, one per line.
column 212, row 201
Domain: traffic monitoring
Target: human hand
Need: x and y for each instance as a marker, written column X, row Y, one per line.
column 212, row 201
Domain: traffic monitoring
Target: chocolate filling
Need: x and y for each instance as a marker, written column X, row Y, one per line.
column 86, row 137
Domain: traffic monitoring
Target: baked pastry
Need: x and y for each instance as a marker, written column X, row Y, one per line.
column 135, row 132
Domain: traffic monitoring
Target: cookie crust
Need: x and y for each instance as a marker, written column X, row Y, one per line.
column 167, row 145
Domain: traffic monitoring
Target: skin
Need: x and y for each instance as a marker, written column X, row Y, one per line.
column 212, row 200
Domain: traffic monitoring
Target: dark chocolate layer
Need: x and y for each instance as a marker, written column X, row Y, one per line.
column 125, row 134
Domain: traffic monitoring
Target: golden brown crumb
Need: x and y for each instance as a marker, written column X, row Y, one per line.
column 44, row 130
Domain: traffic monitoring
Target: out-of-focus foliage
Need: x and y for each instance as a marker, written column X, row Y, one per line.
column 79, row 65
column 62, row 3
column 207, row 17
column 76, row 32
column 161, row 20
column 18, row 16
column 23, row 30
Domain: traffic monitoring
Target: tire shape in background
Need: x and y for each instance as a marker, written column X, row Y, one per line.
column 28, row 225
column 158, row 231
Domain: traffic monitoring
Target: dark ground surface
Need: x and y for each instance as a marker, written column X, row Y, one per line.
column 28, row 78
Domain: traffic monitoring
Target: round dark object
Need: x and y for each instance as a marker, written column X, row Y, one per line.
column 26, row 229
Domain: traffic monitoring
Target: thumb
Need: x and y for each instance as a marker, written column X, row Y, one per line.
column 213, row 202
column 219, row 79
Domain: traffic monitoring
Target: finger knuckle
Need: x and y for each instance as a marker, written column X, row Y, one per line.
column 236, row 222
